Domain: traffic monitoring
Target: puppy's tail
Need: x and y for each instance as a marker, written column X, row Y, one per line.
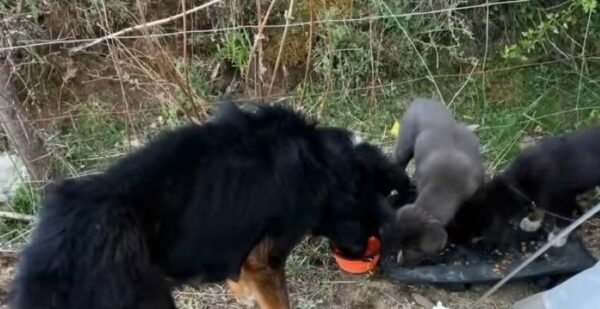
column 87, row 254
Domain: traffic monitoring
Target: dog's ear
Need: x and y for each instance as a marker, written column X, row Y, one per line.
column 337, row 139
column 380, row 171
column 227, row 111
column 434, row 238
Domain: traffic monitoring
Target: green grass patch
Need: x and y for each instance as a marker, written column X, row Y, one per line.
column 512, row 105
column 93, row 139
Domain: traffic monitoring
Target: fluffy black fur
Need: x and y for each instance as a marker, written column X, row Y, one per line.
column 192, row 205
column 550, row 175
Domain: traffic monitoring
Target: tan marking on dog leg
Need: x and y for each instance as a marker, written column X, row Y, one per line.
column 242, row 292
column 259, row 282
column 270, row 288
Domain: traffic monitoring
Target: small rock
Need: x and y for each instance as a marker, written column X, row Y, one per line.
column 422, row 301
column 135, row 143
column 132, row 143
column 13, row 173
column 439, row 306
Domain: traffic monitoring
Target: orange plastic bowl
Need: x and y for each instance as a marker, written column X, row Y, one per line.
column 362, row 265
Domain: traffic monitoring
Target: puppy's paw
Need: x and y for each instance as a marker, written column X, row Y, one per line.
column 559, row 243
column 527, row 225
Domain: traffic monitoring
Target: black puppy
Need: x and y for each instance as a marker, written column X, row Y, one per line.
column 547, row 176
column 225, row 200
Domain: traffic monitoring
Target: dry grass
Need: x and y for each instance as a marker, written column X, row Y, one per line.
column 354, row 67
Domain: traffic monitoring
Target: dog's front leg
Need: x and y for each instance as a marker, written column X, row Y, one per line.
column 262, row 277
column 261, row 285
column 533, row 221
column 242, row 290
column 561, row 210
column 270, row 288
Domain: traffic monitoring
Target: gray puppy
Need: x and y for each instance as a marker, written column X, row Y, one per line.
column 449, row 170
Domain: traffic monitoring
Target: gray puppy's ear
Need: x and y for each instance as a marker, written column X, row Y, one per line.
column 434, row 238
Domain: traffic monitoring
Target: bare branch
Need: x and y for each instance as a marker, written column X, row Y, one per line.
column 142, row 26
column 258, row 38
column 16, row 216
column 288, row 19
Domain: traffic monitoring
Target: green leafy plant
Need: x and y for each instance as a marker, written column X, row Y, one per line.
column 93, row 138
column 235, row 48
column 32, row 7
column 550, row 27
column 588, row 6
column 25, row 200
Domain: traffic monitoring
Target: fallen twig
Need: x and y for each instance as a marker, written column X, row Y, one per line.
column 16, row 216
column 142, row 26
column 11, row 253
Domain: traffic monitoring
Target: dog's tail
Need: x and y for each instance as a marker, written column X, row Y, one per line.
column 87, row 253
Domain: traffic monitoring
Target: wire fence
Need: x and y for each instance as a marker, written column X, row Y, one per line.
column 374, row 87
column 391, row 84
column 60, row 127
column 66, row 41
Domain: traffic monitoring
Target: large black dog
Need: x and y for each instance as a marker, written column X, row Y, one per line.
column 225, row 200
column 547, row 176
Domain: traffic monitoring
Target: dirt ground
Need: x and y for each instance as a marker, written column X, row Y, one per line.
column 338, row 291
column 315, row 282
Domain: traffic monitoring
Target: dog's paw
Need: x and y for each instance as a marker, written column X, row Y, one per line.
column 527, row 225
column 559, row 243
column 243, row 294
column 247, row 301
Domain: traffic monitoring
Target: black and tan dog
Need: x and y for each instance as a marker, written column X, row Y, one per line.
column 225, row 200
column 449, row 170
